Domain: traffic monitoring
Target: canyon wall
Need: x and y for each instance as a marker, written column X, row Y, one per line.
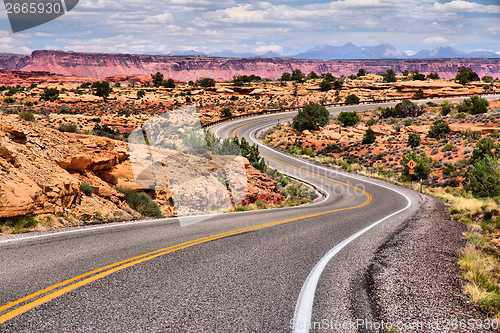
column 184, row 68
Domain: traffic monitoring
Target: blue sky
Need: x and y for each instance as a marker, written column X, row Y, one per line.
column 286, row 27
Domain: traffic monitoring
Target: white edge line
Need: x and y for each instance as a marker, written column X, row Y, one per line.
column 303, row 308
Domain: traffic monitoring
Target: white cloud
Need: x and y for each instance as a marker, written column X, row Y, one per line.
column 435, row 40
column 269, row 48
column 465, row 6
column 494, row 30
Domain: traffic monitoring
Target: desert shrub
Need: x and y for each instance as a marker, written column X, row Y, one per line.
column 326, row 85
column 87, row 189
column 445, row 108
column 28, row 116
column 361, row 72
column 311, row 117
column 407, row 122
column 49, row 94
column 449, row 169
column 9, row 100
column 294, row 150
column 388, row 112
column 29, row 103
column 414, row 140
column 102, row 89
column 465, row 75
column 371, row 122
column 226, row 113
column 369, row 136
column 422, row 170
column 406, row 109
column 417, row 76
column 439, row 129
column 433, row 76
column 487, row 79
column 483, row 178
column 68, row 127
column 250, row 152
column 419, row 94
column 485, row 147
column 352, row 99
column 206, row 82
column 260, row 204
column 348, row 118
column 448, row 147
column 474, row 105
column 170, row 83
column 470, row 134
column 141, row 202
column 28, row 221
column 106, row 131
column 390, row 76
column 140, row 93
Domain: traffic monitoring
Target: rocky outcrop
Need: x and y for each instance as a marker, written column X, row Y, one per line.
column 41, row 170
column 186, row 68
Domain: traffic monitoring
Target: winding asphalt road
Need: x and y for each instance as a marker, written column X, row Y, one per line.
column 258, row 271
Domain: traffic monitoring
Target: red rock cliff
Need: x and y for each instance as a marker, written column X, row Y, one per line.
column 101, row 65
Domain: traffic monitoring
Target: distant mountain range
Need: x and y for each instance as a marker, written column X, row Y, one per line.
column 351, row 51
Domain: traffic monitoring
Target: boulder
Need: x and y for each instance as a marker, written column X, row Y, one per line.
column 77, row 162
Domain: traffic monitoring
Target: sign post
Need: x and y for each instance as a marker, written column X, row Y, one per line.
column 411, row 164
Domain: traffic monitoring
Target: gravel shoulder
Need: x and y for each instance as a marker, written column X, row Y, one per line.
column 415, row 276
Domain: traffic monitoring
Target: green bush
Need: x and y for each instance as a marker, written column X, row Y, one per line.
column 226, row 113
column 448, row 147
column 439, row 129
column 485, row 147
column 141, row 202
column 348, row 118
column 49, row 94
column 483, row 178
column 102, row 89
column 9, row 100
column 419, row 94
column 465, row 75
column 414, row 140
column 474, row 105
column 68, row 127
column 260, row 204
column 206, row 82
column 390, row 76
column 28, row 116
column 369, row 137
column 311, row 117
column 371, row 122
column 352, row 99
column 23, row 222
column 87, row 189
column 446, row 108
column 140, row 93
column 406, row 109
column 326, row 85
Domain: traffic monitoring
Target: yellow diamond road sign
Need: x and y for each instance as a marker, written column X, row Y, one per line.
column 412, row 164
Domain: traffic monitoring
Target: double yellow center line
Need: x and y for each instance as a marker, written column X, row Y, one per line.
column 56, row 290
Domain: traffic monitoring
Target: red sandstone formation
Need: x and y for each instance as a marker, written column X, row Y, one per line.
column 186, row 68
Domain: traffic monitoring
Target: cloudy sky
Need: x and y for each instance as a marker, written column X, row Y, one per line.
column 284, row 26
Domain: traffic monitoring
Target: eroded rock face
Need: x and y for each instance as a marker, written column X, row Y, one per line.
column 191, row 68
column 41, row 170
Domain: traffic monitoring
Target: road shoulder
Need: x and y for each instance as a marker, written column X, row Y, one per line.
column 415, row 276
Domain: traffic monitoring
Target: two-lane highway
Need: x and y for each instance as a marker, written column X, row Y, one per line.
column 259, row 271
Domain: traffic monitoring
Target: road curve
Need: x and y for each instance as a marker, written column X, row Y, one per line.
column 248, row 271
